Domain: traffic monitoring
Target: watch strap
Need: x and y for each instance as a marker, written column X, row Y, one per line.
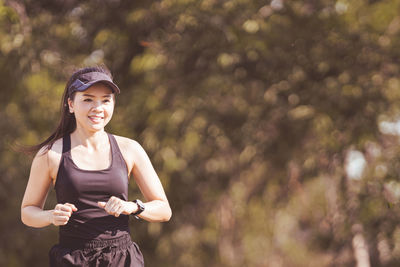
column 140, row 205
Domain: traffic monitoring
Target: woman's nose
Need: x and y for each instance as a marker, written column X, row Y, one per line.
column 97, row 105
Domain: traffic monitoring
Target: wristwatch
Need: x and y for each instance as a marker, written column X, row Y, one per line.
column 140, row 208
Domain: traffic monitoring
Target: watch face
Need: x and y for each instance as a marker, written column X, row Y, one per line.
column 140, row 208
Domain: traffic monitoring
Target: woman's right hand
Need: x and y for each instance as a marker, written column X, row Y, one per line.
column 61, row 213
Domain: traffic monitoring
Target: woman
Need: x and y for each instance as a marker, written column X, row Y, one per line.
column 90, row 169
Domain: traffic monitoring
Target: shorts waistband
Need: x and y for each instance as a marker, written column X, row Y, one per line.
column 70, row 242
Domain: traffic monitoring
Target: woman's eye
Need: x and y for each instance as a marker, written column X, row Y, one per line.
column 106, row 100
column 87, row 100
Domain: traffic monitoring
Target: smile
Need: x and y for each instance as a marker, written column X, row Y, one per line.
column 96, row 119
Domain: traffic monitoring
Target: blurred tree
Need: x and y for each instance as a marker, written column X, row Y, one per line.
column 271, row 124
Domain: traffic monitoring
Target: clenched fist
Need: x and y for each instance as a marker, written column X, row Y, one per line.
column 116, row 206
column 61, row 213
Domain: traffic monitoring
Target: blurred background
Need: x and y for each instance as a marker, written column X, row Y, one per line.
column 273, row 125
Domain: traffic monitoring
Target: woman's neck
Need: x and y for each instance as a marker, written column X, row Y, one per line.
column 90, row 140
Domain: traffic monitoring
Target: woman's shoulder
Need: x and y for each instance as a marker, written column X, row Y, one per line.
column 129, row 146
column 49, row 158
column 57, row 146
column 126, row 143
column 46, row 151
column 130, row 150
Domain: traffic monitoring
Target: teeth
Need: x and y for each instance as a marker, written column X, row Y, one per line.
column 95, row 118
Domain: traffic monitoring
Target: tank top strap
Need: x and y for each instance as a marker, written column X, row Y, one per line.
column 118, row 159
column 114, row 145
column 66, row 143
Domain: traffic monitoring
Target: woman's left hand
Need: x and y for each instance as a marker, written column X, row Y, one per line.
column 116, row 206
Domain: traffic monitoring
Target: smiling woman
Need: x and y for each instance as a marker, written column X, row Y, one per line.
column 90, row 169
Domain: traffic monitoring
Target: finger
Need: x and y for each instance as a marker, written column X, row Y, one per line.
column 108, row 203
column 115, row 213
column 62, row 213
column 111, row 205
column 101, row 204
column 62, row 220
column 114, row 206
column 120, row 210
column 72, row 206
column 65, row 208
column 59, row 207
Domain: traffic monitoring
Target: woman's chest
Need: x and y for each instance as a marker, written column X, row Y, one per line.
column 91, row 160
column 73, row 182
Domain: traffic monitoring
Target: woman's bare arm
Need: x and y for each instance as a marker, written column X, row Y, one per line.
column 157, row 208
column 32, row 213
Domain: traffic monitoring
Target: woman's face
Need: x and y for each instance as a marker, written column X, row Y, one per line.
column 93, row 108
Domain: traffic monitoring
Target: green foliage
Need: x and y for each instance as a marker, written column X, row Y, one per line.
column 249, row 111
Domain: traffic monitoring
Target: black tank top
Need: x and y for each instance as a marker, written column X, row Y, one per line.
column 84, row 188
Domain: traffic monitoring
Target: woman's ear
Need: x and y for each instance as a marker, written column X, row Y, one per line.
column 70, row 105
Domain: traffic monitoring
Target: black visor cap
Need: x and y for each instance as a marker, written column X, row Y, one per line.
column 84, row 81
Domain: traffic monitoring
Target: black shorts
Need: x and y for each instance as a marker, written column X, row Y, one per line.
column 119, row 252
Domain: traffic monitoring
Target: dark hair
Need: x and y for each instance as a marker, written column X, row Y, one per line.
column 67, row 122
